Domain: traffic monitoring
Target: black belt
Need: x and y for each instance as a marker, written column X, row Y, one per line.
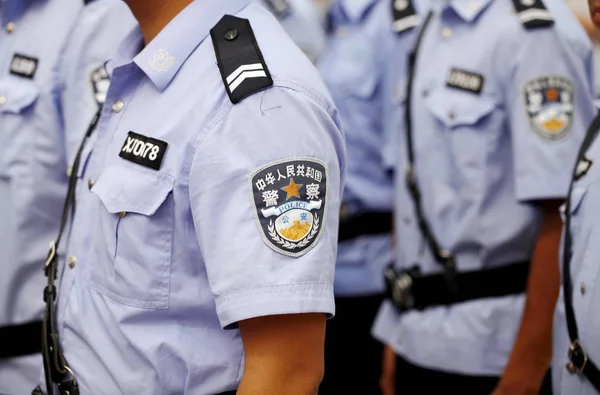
column 409, row 290
column 579, row 363
column 373, row 223
column 20, row 340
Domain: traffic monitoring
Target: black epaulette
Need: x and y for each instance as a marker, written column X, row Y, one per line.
column 533, row 13
column 240, row 61
column 404, row 15
column 280, row 8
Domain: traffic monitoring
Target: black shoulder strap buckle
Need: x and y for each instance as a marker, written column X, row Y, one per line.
column 533, row 13
column 240, row 60
column 404, row 15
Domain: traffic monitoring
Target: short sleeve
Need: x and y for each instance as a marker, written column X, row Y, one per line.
column 550, row 105
column 265, row 189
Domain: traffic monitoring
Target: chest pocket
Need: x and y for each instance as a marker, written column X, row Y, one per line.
column 134, row 238
column 17, row 99
column 466, row 123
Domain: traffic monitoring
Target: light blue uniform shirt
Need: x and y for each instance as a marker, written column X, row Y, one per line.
column 481, row 162
column 584, row 277
column 99, row 30
column 303, row 22
column 32, row 165
column 168, row 258
column 352, row 69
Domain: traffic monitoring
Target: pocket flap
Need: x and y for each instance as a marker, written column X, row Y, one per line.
column 17, row 94
column 458, row 108
column 123, row 189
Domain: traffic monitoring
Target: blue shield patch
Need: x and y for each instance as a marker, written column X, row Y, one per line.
column 549, row 105
column 290, row 201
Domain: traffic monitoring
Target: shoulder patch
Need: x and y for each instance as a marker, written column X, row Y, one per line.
column 290, row 202
column 533, row 13
column 240, row 61
column 404, row 15
column 100, row 83
column 549, row 105
column 279, row 8
column 23, row 66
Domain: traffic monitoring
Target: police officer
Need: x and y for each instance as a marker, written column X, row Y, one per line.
column 352, row 69
column 84, row 81
column 205, row 224
column 303, row 22
column 576, row 348
column 496, row 92
column 32, row 175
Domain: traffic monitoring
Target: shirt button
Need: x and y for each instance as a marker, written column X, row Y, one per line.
column 118, row 105
column 122, row 214
column 91, row 183
column 582, row 288
column 9, row 27
column 446, row 32
column 72, row 261
column 451, row 115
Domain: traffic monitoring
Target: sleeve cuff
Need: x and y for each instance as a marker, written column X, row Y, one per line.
column 275, row 300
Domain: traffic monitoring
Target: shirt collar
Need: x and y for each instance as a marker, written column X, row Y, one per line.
column 162, row 58
column 468, row 10
column 355, row 10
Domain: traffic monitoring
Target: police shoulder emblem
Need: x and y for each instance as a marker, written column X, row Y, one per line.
column 549, row 105
column 290, row 201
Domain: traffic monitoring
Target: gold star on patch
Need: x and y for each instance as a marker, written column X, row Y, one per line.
column 292, row 189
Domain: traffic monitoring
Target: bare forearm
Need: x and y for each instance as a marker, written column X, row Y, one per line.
column 283, row 355
column 532, row 352
column 272, row 380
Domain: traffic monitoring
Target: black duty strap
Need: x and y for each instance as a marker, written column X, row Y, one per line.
column 373, row 223
column 580, row 363
column 442, row 256
column 433, row 290
column 20, row 340
column 56, row 370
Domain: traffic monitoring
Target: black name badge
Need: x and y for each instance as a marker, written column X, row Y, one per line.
column 465, row 80
column 23, row 66
column 143, row 150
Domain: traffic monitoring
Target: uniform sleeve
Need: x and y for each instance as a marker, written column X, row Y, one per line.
column 265, row 191
column 549, row 104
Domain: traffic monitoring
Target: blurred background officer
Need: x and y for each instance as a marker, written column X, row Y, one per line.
column 84, row 81
column 210, row 202
column 303, row 21
column 352, row 69
column 576, row 352
column 32, row 175
column 581, row 11
column 477, row 188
